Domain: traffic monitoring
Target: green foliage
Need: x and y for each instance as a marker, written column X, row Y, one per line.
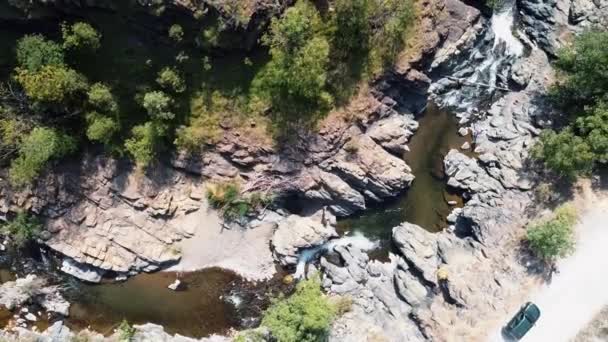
column 34, row 52
column 22, row 229
column 37, row 148
column 585, row 69
column 52, row 83
column 169, row 78
column 553, row 238
column 252, row 335
column 392, row 18
column 176, row 32
column 144, row 142
column 304, row 316
column 594, row 129
column 100, row 97
column 294, row 80
column 101, row 128
column 234, row 205
column 342, row 305
column 11, row 132
column 564, row 152
column 80, row 35
column 352, row 25
column 158, row 105
column 126, row 332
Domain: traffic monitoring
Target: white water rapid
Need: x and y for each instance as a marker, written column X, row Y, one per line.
column 357, row 240
column 487, row 66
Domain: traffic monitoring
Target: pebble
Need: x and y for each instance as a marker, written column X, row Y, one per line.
column 463, row 131
column 31, row 317
column 466, row 146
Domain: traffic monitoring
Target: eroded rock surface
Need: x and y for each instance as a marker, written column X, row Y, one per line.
column 33, row 289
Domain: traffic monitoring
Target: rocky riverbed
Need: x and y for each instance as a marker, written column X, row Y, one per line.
column 107, row 220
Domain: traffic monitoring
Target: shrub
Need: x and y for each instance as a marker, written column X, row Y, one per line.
column 169, row 78
column 158, row 104
column 80, row 35
column 101, row 98
column 304, row 316
column 101, row 128
column 564, row 152
column 37, row 148
column 34, row 52
column 342, row 305
column 52, row 83
column 295, row 78
column 553, row 238
column 221, row 194
column 144, row 142
column 22, row 229
column 11, row 132
column 125, row 331
column 176, row 32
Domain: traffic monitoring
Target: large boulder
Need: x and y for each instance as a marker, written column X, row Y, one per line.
column 295, row 233
column 32, row 288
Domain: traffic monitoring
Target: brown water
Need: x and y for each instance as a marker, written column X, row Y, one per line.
column 211, row 302
column 425, row 203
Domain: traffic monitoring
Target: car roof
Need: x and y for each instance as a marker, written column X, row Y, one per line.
column 532, row 312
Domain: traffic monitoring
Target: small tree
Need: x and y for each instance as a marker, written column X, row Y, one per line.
column 176, row 32
column 101, row 128
column 564, row 152
column 22, row 229
column 40, row 146
column 305, row 316
column 158, row 104
column 144, row 142
column 553, row 238
column 52, row 83
column 100, row 97
column 169, row 78
column 34, row 52
column 80, row 35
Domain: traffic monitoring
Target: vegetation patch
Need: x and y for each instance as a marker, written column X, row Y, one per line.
column 233, row 203
column 22, row 229
column 554, row 237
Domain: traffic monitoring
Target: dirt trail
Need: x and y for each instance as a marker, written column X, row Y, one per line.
column 578, row 292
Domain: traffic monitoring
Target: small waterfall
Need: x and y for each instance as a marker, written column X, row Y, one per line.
column 308, row 255
column 486, row 67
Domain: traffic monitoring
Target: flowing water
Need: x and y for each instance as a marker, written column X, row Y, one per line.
column 425, row 203
column 484, row 71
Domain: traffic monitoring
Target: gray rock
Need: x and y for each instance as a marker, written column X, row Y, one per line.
column 419, row 249
column 80, row 271
column 297, row 232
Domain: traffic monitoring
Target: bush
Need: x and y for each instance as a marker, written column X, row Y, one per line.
column 553, row 238
column 101, row 98
column 295, row 78
column 221, row 194
column 37, row 148
column 125, row 331
column 169, row 78
column 304, row 316
column 342, row 305
column 34, row 52
column 564, row 152
column 101, row 128
column 22, row 229
column 144, row 142
column 158, row 104
column 176, row 32
column 80, row 36
column 52, row 83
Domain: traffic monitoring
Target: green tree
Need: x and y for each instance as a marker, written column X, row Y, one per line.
column 52, row 83
column 352, row 25
column 564, row 152
column 295, row 78
column 101, row 128
column 34, row 52
column 304, row 316
column 553, row 238
column 80, row 35
column 594, row 129
column 584, row 67
column 100, row 96
column 22, row 229
column 144, row 142
column 158, row 105
column 40, row 146
column 176, row 32
column 169, row 78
